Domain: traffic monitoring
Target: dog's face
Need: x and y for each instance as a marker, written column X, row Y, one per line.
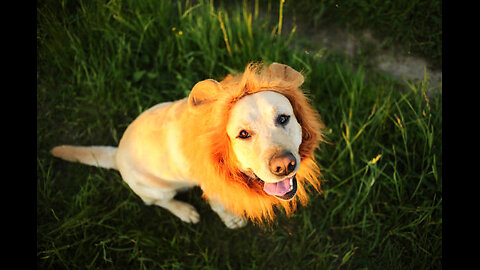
column 265, row 137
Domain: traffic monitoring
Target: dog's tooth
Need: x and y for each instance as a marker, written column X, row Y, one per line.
column 291, row 182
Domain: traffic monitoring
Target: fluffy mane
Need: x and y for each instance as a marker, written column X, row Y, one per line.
column 218, row 174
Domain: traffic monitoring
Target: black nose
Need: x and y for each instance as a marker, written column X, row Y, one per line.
column 282, row 164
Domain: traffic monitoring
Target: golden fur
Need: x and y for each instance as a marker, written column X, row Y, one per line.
column 176, row 145
column 219, row 176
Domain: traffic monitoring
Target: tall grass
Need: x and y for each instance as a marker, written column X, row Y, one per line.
column 100, row 64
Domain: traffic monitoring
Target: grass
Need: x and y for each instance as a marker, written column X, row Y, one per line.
column 412, row 26
column 102, row 63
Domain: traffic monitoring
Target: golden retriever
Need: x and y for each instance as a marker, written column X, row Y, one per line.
column 247, row 141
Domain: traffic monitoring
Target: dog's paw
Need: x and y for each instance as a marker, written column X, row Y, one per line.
column 234, row 222
column 184, row 211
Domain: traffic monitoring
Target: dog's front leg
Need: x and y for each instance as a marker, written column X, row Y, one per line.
column 231, row 221
column 164, row 198
column 182, row 210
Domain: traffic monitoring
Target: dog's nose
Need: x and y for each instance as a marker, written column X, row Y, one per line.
column 282, row 164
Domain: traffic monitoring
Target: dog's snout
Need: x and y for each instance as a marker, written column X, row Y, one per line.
column 282, row 164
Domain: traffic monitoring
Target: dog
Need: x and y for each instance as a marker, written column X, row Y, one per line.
column 248, row 141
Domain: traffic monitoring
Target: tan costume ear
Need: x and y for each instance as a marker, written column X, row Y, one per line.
column 204, row 92
column 286, row 73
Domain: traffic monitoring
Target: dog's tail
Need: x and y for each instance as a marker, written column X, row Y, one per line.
column 99, row 156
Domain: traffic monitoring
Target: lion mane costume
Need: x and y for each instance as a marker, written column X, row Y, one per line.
column 218, row 173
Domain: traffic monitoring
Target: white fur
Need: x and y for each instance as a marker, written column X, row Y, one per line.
column 256, row 114
column 151, row 163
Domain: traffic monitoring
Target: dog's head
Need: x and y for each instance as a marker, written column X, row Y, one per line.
column 265, row 137
column 261, row 134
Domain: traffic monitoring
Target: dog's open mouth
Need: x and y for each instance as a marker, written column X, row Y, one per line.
column 284, row 190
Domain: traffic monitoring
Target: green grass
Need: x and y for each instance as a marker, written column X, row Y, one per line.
column 102, row 63
column 412, row 26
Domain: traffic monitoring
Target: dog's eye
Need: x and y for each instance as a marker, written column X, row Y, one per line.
column 243, row 134
column 283, row 119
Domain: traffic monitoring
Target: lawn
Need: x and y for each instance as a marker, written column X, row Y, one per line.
column 101, row 63
column 413, row 27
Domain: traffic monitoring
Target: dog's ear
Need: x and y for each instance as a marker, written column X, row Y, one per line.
column 286, row 73
column 204, row 92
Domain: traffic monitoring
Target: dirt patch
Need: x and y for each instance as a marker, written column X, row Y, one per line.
column 409, row 68
column 402, row 66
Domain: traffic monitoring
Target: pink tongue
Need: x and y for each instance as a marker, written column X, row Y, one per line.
column 279, row 188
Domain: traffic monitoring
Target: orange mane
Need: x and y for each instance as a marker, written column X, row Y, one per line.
column 211, row 156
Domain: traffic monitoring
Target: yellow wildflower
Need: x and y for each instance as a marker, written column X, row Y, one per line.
column 375, row 159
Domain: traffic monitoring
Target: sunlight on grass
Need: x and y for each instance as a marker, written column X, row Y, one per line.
column 103, row 63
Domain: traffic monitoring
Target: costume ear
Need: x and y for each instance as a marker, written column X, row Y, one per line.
column 204, row 92
column 286, row 73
